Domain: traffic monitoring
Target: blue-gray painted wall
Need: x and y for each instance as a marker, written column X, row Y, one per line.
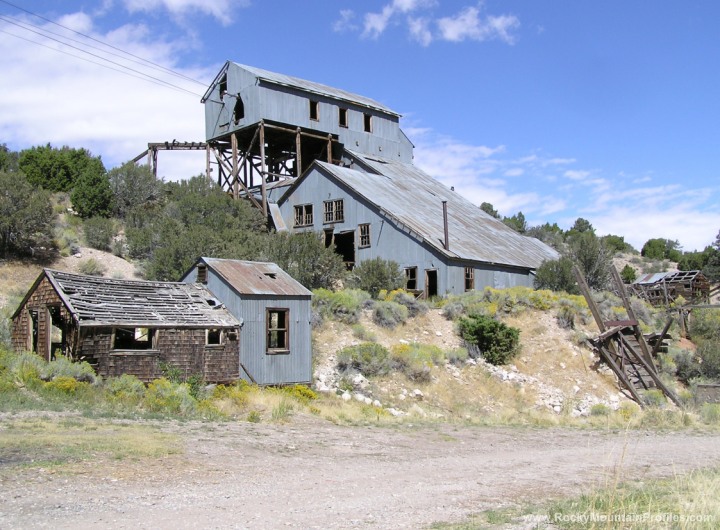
column 390, row 241
column 289, row 105
column 266, row 369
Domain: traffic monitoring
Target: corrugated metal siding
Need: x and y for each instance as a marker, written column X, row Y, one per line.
column 295, row 367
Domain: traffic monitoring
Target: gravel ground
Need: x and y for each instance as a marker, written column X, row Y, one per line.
column 312, row 474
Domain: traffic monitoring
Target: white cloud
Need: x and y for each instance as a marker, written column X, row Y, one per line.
column 346, row 22
column 51, row 96
column 574, row 174
column 469, row 25
column 222, row 10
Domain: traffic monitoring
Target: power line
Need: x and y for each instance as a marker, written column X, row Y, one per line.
column 143, row 77
column 158, row 66
column 148, row 76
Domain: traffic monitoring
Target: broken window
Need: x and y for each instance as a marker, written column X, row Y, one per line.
column 469, row 278
column 277, row 330
column 314, row 110
column 367, row 122
column 343, row 117
column 411, row 278
column 364, row 235
column 304, row 215
column 223, row 86
column 133, row 338
column 213, row 337
column 238, row 109
column 334, row 211
column 202, row 273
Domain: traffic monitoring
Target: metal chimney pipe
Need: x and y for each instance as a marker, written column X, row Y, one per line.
column 445, row 225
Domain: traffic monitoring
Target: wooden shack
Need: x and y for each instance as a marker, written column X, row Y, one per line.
column 275, row 345
column 664, row 288
column 129, row 327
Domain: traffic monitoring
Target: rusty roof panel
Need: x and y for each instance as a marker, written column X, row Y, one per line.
column 256, row 278
column 96, row 301
column 414, row 199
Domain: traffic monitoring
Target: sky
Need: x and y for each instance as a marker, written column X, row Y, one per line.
column 560, row 109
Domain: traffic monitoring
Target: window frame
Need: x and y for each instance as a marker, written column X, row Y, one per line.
column 336, row 212
column 343, row 117
column 367, row 122
column 364, row 235
column 306, row 216
column 285, row 331
column 314, row 110
column 469, row 279
column 220, row 336
column 134, row 343
column 411, row 276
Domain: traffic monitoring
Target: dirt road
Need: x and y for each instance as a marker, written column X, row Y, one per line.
column 313, row 474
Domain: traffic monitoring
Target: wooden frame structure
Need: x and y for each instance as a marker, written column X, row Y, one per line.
column 250, row 159
column 623, row 347
column 153, row 147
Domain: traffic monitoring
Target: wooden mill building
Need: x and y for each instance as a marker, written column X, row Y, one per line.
column 317, row 158
column 129, row 327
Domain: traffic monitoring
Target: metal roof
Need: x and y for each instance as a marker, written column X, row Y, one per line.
column 256, row 277
column 668, row 277
column 316, row 88
column 414, row 200
column 96, row 301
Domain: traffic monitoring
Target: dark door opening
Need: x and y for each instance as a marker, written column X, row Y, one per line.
column 57, row 344
column 431, row 283
column 33, row 343
column 345, row 246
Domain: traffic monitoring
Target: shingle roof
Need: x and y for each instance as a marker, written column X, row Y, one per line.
column 316, row 88
column 256, row 277
column 96, row 301
column 414, row 200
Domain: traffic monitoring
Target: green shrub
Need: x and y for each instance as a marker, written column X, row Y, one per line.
column 125, row 388
column 628, row 274
column 363, row 334
column 496, row 342
column 63, row 367
column 92, row 267
column 99, row 232
column 368, row 358
column 166, row 397
column 343, row 306
column 457, row 356
column 600, row 409
column 389, row 314
column 400, row 296
column 302, row 393
column 654, row 398
column 705, row 324
column 375, row 275
column 710, row 413
column 415, row 360
column 566, row 317
column 65, row 385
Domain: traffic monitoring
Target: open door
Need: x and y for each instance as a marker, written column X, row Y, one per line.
column 431, row 283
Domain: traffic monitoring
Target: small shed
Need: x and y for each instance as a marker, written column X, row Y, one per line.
column 128, row 327
column 663, row 288
column 275, row 347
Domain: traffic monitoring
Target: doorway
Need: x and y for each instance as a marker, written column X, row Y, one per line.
column 431, row 283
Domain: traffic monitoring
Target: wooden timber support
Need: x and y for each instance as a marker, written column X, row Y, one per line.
column 250, row 161
column 153, row 147
column 622, row 345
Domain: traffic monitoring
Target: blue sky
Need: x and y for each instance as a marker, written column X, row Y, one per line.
column 556, row 108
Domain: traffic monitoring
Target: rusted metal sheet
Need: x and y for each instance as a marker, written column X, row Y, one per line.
column 257, row 278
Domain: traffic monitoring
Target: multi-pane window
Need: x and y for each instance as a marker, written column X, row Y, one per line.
column 314, row 110
column 469, row 278
column 304, row 215
column 342, row 117
column 364, row 235
column 411, row 278
column 277, row 330
column 334, row 211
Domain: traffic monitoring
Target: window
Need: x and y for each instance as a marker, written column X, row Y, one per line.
column 342, row 117
column 364, row 235
column 202, row 273
column 469, row 278
column 223, row 87
column 277, row 330
column 411, row 278
column 367, row 122
column 334, row 211
column 314, row 110
column 213, row 337
column 133, row 338
column 238, row 110
column 304, row 215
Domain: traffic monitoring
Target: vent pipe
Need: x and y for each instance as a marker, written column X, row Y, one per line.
column 445, row 225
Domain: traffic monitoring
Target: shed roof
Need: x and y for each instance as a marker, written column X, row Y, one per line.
column 256, row 277
column 96, row 301
column 669, row 277
column 316, row 88
column 413, row 199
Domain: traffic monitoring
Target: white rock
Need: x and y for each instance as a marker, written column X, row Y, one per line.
column 438, row 334
column 562, row 365
column 346, row 396
column 376, row 403
column 417, row 393
column 368, row 401
column 359, row 397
